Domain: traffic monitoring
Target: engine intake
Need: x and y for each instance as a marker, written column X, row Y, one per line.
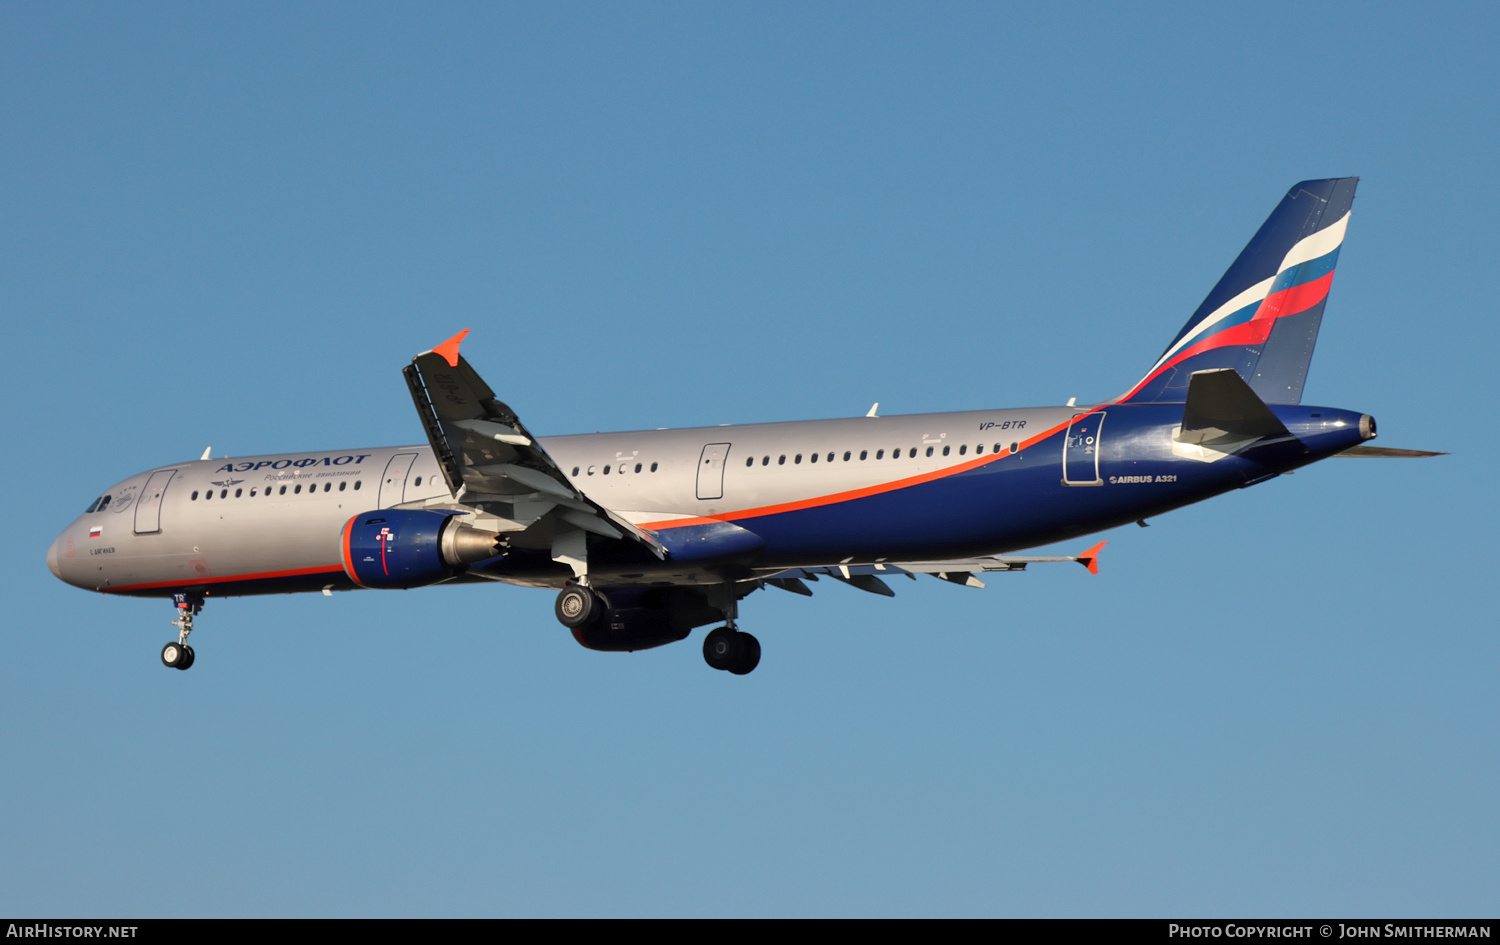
column 401, row 548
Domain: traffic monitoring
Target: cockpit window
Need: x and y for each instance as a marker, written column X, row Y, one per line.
column 104, row 503
column 94, row 505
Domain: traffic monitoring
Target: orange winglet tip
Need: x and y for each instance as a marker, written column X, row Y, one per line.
column 1090, row 559
column 449, row 348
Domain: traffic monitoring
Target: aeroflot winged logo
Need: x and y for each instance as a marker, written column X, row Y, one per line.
column 294, row 463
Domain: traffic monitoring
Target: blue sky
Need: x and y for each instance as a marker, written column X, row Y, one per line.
column 232, row 225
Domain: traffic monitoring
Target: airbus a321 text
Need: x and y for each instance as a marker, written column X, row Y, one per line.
column 650, row 534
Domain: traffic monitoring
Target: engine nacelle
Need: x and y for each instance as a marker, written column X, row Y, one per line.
column 400, row 548
column 640, row 618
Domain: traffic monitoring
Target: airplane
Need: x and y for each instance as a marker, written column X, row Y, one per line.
column 647, row 535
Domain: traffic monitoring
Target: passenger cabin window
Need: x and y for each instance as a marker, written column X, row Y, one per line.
column 342, row 486
column 653, row 467
column 864, row 454
column 637, row 467
column 879, row 454
column 963, row 449
column 946, row 449
column 813, row 458
column 797, row 459
column 1015, row 447
column 195, row 499
column 356, row 484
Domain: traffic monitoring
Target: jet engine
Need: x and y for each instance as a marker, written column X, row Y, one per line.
column 401, row 548
column 630, row 619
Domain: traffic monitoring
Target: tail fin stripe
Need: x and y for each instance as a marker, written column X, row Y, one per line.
column 1321, row 247
column 1295, row 300
column 1251, row 324
column 1319, row 244
column 1236, row 311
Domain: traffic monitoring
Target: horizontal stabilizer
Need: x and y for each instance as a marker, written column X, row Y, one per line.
column 1385, row 452
column 1221, row 407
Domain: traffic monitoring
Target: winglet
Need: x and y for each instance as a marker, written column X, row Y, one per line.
column 1090, row 559
column 449, row 348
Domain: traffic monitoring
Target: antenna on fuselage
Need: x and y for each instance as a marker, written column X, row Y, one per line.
column 873, row 407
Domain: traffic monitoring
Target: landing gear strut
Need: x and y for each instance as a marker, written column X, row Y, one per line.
column 179, row 655
column 729, row 649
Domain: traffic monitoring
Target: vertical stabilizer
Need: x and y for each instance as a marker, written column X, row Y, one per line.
column 1262, row 319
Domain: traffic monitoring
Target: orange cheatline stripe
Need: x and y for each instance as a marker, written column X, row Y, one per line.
column 259, row 576
column 346, row 554
column 837, row 497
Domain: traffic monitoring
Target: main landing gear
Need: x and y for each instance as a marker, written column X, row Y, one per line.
column 577, row 606
column 179, row 655
column 729, row 649
column 633, row 619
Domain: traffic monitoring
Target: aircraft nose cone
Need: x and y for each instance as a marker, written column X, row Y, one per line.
column 52, row 558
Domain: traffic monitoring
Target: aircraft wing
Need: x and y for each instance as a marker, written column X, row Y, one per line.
column 488, row 456
column 867, row 577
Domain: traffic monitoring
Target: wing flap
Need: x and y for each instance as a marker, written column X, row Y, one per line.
column 957, row 571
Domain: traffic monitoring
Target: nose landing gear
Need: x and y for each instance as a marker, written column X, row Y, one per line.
column 179, row 655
